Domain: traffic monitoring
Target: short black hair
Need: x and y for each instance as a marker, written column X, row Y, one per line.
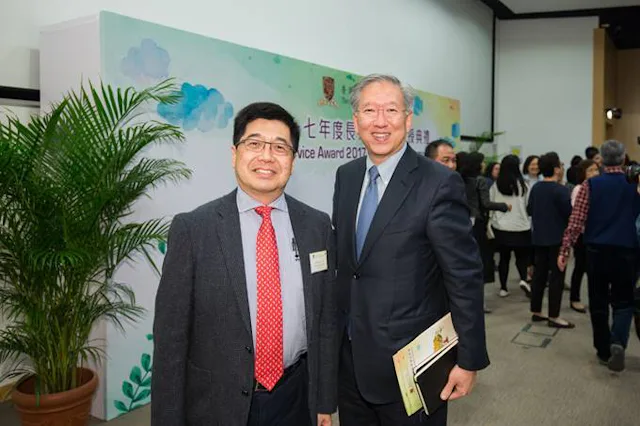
column 576, row 160
column 470, row 165
column 266, row 111
column 591, row 152
column 432, row 149
column 548, row 163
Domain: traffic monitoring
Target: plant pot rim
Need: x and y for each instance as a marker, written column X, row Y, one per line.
column 26, row 399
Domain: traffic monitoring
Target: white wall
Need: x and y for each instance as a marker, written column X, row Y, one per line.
column 544, row 85
column 439, row 46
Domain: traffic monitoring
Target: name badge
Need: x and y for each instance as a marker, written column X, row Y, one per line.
column 318, row 261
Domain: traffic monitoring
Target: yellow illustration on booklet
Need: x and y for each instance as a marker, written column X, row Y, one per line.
column 407, row 360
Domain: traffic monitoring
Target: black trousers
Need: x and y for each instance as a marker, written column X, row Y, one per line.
column 486, row 250
column 522, row 261
column 579, row 269
column 546, row 268
column 354, row 410
column 286, row 404
column 612, row 273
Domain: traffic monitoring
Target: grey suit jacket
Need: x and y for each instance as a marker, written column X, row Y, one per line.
column 203, row 369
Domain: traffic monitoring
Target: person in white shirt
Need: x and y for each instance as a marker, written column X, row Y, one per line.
column 512, row 229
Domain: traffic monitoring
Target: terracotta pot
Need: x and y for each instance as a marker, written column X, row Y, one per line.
column 70, row 408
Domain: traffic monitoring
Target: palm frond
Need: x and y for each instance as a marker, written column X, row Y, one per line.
column 69, row 181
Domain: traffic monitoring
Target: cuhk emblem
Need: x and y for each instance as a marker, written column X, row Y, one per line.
column 329, row 90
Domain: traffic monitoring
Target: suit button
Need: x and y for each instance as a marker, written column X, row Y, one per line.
column 356, row 276
column 248, row 349
column 245, row 392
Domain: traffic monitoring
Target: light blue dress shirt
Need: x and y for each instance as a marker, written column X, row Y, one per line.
column 293, row 311
column 386, row 169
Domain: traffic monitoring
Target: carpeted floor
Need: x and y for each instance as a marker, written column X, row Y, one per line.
column 537, row 377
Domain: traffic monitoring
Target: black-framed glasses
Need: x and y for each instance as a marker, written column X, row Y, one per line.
column 257, row 145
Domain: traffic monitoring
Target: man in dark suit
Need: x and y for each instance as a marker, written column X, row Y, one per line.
column 245, row 316
column 406, row 257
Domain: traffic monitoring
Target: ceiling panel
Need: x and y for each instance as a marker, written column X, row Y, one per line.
column 533, row 6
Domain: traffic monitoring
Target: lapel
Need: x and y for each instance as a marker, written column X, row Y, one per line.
column 401, row 183
column 297, row 215
column 352, row 198
column 231, row 240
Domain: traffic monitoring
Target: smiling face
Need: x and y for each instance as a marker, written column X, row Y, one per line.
column 592, row 171
column 447, row 157
column 534, row 168
column 263, row 175
column 381, row 120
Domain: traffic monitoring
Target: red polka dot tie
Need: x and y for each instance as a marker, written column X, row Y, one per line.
column 269, row 348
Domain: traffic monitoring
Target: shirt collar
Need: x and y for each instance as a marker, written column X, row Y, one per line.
column 245, row 202
column 388, row 166
column 614, row 169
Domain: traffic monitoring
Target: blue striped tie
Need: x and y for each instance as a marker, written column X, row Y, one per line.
column 367, row 210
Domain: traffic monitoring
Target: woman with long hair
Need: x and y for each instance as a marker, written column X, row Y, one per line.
column 470, row 168
column 586, row 169
column 512, row 229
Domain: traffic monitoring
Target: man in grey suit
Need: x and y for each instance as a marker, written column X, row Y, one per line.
column 245, row 316
column 406, row 257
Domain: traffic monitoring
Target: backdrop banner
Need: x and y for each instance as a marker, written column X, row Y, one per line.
column 216, row 79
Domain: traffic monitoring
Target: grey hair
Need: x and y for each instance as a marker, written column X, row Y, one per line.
column 356, row 91
column 612, row 153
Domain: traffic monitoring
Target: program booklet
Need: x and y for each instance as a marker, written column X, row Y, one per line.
column 416, row 355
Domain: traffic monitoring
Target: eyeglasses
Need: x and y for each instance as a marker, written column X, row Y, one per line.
column 257, row 145
column 390, row 113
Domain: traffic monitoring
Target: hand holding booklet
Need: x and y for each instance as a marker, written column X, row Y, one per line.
column 423, row 366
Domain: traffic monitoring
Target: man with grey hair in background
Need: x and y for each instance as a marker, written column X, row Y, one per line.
column 406, row 256
column 606, row 210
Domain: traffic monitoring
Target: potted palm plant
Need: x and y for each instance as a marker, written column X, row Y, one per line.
column 69, row 180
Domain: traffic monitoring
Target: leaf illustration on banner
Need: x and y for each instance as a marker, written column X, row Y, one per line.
column 121, row 406
column 162, row 246
column 136, row 376
column 145, row 361
column 138, row 387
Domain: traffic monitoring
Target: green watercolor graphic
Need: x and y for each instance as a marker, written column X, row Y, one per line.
column 137, row 389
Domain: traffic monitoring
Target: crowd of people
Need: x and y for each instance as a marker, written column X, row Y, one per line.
column 538, row 212
column 271, row 312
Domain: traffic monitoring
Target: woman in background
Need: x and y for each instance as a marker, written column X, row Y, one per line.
column 480, row 204
column 572, row 173
column 512, row 229
column 491, row 173
column 586, row 170
column 531, row 170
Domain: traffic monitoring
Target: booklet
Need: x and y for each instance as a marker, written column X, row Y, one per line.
column 432, row 377
column 417, row 354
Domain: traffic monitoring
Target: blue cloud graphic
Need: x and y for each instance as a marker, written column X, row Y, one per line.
column 146, row 62
column 200, row 108
column 455, row 130
column 418, row 105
